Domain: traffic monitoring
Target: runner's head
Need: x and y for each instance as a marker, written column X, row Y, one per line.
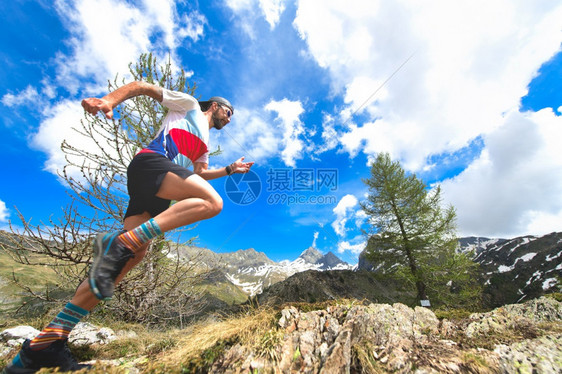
column 222, row 111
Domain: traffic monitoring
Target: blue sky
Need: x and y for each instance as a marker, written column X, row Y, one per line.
column 466, row 95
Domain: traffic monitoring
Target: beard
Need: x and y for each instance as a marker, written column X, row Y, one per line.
column 217, row 122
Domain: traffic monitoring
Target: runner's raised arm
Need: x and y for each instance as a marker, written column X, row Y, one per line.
column 107, row 103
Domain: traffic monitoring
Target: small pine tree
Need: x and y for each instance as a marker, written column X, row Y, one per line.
column 414, row 238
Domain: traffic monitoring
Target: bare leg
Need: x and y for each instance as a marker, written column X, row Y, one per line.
column 196, row 200
column 83, row 297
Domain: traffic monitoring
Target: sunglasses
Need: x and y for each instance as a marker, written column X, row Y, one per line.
column 226, row 110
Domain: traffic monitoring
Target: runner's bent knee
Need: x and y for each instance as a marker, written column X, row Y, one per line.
column 215, row 205
column 176, row 188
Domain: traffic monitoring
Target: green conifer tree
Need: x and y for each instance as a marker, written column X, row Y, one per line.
column 413, row 237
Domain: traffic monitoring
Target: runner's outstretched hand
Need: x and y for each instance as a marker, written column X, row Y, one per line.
column 239, row 166
column 93, row 105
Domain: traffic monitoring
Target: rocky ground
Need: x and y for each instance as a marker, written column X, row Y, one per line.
column 394, row 338
column 375, row 338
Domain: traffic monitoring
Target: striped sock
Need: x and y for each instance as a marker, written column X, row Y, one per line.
column 135, row 238
column 16, row 362
column 59, row 328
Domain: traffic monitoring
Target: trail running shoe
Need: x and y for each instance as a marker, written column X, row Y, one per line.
column 55, row 355
column 110, row 256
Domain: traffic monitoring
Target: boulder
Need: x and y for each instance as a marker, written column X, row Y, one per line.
column 86, row 334
column 83, row 334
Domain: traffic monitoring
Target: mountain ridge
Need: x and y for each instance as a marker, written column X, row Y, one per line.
column 253, row 271
column 511, row 270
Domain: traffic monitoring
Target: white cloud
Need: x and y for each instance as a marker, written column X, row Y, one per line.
column 239, row 6
column 252, row 134
column 249, row 134
column 467, row 70
column 54, row 129
column 360, row 218
column 176, row 27
column 249, row 11
column 541, row 223
column 513, row 188
column 345, row 209
column 316, row 233
column 4, row 212
column 272, row 10
column 348, row 210
column 366, row 88
column 107, row 35
column 25, row 97
column 355, row 246
column 337, row 32
column 60, row 125
column 191, row 27
column 329, row 134
column 292, row 128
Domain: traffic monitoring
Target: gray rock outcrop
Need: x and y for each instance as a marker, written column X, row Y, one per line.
column 379, row 338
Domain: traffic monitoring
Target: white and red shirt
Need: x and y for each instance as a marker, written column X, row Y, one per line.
column 184, row 135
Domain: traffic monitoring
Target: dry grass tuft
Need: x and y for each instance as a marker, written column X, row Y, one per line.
column 248, row 328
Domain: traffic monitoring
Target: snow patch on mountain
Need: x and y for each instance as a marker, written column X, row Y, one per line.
column 253, row 278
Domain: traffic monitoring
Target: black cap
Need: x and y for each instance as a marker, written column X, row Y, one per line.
column 217, row 99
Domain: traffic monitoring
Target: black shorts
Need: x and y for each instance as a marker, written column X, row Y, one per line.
column 144, row 177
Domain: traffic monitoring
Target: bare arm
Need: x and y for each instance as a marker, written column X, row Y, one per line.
column 238, row 166
column 201, row 168
column 106, row 104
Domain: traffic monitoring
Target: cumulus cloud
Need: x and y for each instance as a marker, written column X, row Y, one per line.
column 272, row 9
column 249, row 134
column 356, row 245
column 177, row 28
column 514, row 186
column 348, row 210
column 329, row 134
column 254, row 134
column 61, row 124
column 466, row 71
column 25, row 97
column 316, row 233
column 345, row 208
column 249, row 11
column 292, row 128
column 456, row 71
column 4, row 212
column 106, row 36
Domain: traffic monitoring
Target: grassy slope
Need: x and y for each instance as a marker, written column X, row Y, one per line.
column 38, row 278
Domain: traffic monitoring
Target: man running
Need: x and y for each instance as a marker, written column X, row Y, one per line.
column 157, row 175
